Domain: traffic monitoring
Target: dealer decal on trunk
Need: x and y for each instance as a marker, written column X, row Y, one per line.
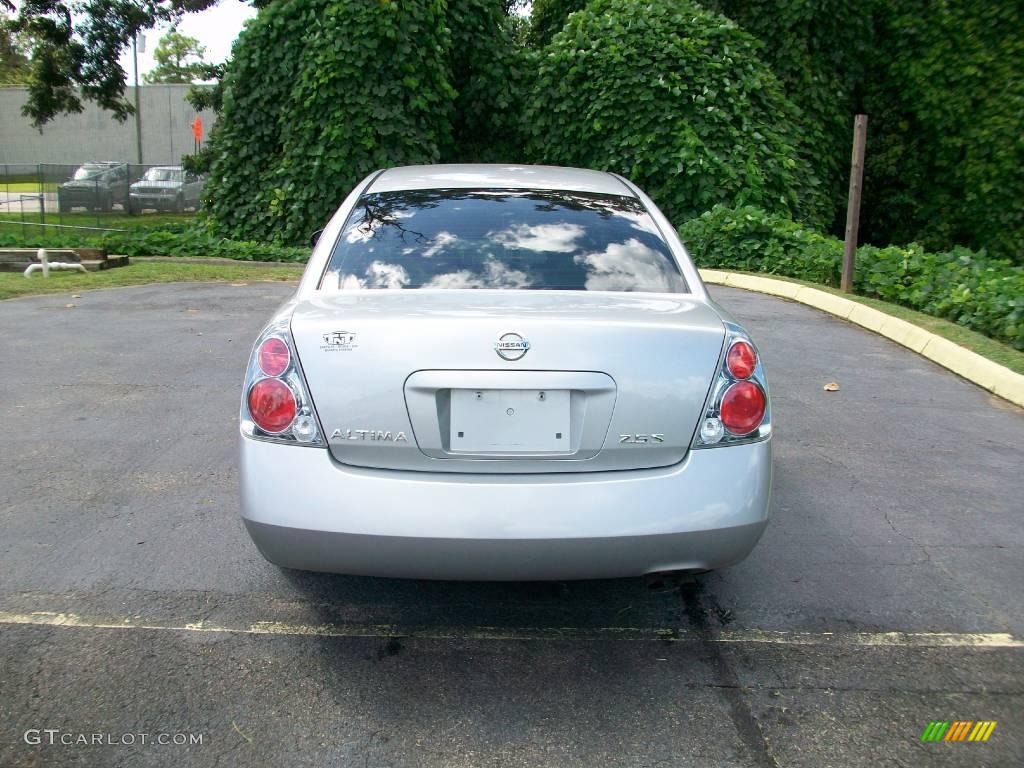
column 339, row 341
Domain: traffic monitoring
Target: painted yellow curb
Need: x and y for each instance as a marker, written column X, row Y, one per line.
column 996, row 378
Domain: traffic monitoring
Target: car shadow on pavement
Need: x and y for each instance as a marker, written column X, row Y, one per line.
column 659, row 606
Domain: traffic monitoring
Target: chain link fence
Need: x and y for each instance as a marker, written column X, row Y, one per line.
column 94, row 195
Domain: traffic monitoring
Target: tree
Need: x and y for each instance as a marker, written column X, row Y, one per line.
column 77, row 45
column 179, row 59
column 488, row 72
column 678, row 99
column 819, row 50
column 943, row 85
column 14, row 61
column 945, row 160
column 318, row 94
column 548, row 16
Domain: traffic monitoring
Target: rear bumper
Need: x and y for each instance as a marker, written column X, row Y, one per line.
column 305, row 511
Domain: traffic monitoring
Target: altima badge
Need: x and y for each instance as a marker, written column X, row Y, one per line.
column 369, row 434
column 511, row 346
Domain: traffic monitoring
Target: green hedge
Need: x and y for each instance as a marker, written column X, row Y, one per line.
column 490, row 73
column 677, row 99
column 820, row 50
column 970, row 288
column 943, row 84
column 945, row 159
column 167, row 241
column 318, row 94
column 547, row 17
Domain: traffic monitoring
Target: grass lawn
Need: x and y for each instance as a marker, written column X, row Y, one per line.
column 994, row 350
column 14, row 284
column 16, row 187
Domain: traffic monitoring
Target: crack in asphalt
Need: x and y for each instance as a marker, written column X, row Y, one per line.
column 698, row 604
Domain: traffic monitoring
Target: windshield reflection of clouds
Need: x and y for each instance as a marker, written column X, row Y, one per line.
column 495, row 274
column 507, row 239
column 624, row 266
column 441, row 239
column 553, row 238
column 359, row 235
column 378, row 275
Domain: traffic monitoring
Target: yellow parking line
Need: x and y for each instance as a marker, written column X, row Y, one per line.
column 875, row 639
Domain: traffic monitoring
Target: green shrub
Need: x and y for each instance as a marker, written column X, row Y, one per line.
column 820, row 51
column 943, row 85
column 676, row 98
column 548, row 16
column 945, row 159
column 972, row 289
column 750, row 240
column 319, row 94
column 490, row 73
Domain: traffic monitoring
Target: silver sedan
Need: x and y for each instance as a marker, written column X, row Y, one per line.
column 503, row 372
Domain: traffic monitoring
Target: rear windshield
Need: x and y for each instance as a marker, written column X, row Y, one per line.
column 525, row 239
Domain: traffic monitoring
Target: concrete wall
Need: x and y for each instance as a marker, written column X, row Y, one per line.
column 94, row 134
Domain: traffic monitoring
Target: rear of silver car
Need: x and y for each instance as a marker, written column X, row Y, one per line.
column 503, row 432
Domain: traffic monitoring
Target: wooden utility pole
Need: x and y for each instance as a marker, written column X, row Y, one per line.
column 860, row 134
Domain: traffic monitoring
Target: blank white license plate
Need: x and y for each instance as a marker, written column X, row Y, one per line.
column 510, row 420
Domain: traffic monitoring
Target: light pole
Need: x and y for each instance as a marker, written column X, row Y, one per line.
column 138, row 44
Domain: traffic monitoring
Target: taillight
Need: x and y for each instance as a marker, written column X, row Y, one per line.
column 738, row 409
column 276, row 405
column 272, row 405
column 741, row 360
column 273, row 356
column 742, row 408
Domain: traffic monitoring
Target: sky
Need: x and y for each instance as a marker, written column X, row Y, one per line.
column 216, row 28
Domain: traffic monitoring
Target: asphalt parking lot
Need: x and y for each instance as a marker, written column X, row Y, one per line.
column 887, row 592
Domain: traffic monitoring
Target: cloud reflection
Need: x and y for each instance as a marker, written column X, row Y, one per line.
column 440, row 241
column 540, row 238
column 628, row 266
column 495, row 274
column 378, row 275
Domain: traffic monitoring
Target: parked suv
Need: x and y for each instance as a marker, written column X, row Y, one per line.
column 96, row 186
column 166, row 188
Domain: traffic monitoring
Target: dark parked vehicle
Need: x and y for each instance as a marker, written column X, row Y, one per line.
column 166, row 188
column 95, row 186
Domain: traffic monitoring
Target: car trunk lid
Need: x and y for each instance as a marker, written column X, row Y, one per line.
column 618, row 380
